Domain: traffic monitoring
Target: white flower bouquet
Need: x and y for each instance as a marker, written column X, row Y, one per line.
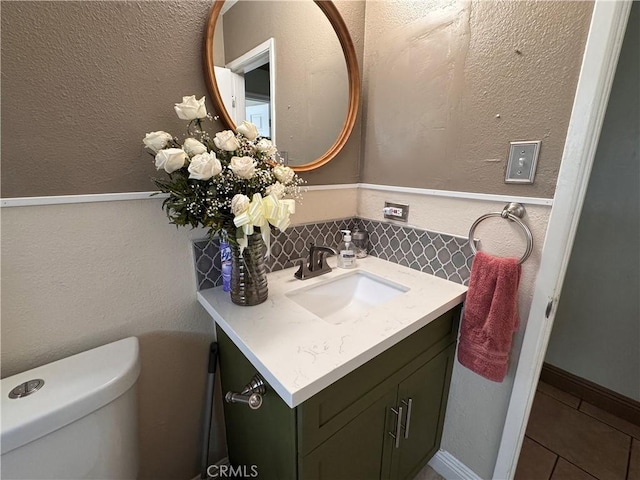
column 232, row 182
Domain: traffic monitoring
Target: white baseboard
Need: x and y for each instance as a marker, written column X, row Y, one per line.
column 451, row 468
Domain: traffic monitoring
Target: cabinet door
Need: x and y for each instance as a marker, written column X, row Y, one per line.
column 423, row 396
column 361, row 450
column 324, row 414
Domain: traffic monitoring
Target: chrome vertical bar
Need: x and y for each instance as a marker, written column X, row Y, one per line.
column 409, row 405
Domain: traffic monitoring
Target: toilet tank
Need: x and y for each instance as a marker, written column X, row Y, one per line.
column 81, row 423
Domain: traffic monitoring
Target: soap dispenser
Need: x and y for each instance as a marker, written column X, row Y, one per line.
column 346, row 251
column 360, row 242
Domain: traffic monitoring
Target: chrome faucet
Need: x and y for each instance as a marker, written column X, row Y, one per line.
column 316, row 264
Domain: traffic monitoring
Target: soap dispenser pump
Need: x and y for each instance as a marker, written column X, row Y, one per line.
column 346, row 251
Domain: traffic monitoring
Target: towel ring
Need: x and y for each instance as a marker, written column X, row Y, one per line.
column 513, row 212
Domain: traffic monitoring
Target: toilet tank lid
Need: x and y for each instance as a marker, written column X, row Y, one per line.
column 73, row 388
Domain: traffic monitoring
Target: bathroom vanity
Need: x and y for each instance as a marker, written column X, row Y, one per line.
column 360, row 396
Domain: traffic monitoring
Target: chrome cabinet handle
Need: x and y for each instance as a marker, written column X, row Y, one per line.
column 409, row 405
column 396, row 436
column 251, row 393
column 254, row 400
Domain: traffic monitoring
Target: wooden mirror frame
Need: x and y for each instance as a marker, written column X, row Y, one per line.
column 332, row 14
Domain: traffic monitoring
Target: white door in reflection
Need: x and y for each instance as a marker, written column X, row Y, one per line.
column 231, row 88
column 258, row 114
column 253, row 78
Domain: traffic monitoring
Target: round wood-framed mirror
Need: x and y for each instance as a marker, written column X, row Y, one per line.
column 352, row 80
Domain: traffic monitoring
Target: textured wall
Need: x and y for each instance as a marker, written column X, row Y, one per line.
column 438, row 73
column 596, row 334
column 82, row 82
column 87, row 80
column 78, row 276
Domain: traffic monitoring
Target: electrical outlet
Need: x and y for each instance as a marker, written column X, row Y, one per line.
column 396, row 211
column 523, row 158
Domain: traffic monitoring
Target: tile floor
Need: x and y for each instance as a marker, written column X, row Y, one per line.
column 569, row 439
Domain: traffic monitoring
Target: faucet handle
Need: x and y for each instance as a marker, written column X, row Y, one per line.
column 322, row 261
column 319, row 257
column 316, row 263
column 304, row 271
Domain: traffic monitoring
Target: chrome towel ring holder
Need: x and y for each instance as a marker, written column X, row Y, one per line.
column 513, row 212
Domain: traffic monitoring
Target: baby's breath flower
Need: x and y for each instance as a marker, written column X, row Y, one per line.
column 198, row 202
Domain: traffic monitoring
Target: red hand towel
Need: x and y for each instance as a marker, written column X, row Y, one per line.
column 490, row 316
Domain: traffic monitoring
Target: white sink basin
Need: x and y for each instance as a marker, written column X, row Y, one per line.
column 346, row 297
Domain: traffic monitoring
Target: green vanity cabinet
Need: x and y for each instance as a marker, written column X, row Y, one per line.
column 347, row 430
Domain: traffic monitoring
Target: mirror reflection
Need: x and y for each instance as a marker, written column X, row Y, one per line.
column 280, row 66
column 258, row 100
column 248, row 88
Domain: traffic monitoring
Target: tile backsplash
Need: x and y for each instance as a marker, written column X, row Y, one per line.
column 439, row 254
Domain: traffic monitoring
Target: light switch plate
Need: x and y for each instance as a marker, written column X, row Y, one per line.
column 523, row 158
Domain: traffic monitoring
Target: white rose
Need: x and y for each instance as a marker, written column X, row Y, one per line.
column 266, row 146
column 263, row 145
column 239, row 204
column 226, row 140
column 277, row 190
column 171, row 159
column 244, row 167
column 193, row 147
column 204, row 166
column 190, row 108
column 248, row 129
column 283, row 174
column 156, row 140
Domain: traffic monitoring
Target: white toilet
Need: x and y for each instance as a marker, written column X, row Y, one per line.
column 80, row 423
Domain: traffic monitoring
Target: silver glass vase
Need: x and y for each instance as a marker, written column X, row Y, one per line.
column 249, row 272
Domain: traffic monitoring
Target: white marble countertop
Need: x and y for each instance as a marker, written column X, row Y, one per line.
column 299, row 354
